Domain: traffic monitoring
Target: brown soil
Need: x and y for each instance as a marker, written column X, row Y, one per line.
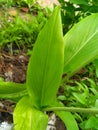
column 13, row 68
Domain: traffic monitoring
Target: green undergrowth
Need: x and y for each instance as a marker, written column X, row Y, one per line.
column 19, row 27
column 81, row 91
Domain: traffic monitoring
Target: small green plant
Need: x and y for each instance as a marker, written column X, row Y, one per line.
column 82, row 94
column 28, row 3
column 10, row 3
column 21, row 32
column 6, row 3
column 52, row 56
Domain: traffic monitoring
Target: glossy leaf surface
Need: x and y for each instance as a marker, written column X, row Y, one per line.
column 81, row 44
column 46, row 63
column 67, row 118
column 12, row 90
column 28, row 118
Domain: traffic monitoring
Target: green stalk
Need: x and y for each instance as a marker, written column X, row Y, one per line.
column 73, row 109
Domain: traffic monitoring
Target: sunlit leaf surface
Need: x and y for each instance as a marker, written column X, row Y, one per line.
column 28, row 118
column 46, row 63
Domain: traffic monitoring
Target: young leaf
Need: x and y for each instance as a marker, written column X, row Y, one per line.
column 28, row 118
column 81, row 44
column 67, row 118
column 12, row 90
column 46, row 63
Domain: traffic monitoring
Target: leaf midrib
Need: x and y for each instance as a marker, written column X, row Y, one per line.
column 43, row 82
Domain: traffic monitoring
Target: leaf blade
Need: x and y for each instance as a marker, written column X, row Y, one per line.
column 67, row 118
column 44, row 81
column 28, row 118
column 81, row 45
column 10, row 90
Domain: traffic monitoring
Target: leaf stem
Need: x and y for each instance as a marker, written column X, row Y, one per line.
column 73, row 109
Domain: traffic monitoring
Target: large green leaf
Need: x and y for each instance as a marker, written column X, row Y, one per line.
column 28, row 118
column 12, row 90
column 67, row 118
column 46, row 63
column 81, row 44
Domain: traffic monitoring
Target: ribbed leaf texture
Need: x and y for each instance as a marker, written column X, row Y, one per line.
column 46, row 63
column 81, row 44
